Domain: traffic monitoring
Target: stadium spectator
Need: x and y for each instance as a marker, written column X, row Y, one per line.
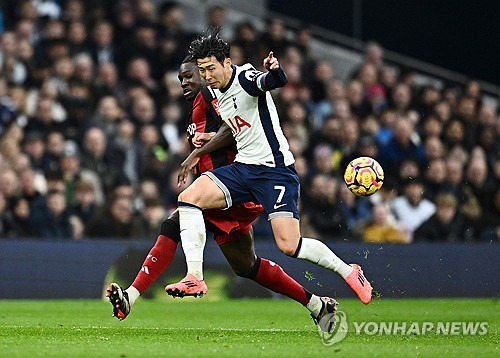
column 54, row 145
column 411, row 208
column 246, row 38
column 355, row 210
column 9, row 185
column 298, row 123
column 101, row 47
column 432, row 127
column 322, row 75
column 274, row 39
column 72, row 172
column 171, row 19
column 16, row 221
column 434, row 178
column 101, row 158
column 380, row 229
column 107, row 82
column 323, row 209
column 445, row 225
column 29, row 189
column 374, row 54
column 403, row 145
column 367, row 147
column 74, row 10
column 84, row 205
column 117, row 221
column 126, row 141
column 107, row 115
column 34, row 147
column 216, row 16
column 52, row 219
column 152, row 215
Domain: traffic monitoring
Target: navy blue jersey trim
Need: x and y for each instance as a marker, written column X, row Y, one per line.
column 230, row 81
column 267, row 125
column 181, row 203
column 250, row 86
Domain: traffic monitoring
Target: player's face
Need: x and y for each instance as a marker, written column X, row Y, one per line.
column 190, row 80
column 216, row 74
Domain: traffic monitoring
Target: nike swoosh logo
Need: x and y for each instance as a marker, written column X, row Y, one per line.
column 278, row 206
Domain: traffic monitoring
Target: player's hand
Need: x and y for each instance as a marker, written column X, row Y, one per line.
column 188, row 164
column 271, row 63
column 201, row 138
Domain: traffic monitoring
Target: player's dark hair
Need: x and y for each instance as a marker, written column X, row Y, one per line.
column 210, row 44
column 188, row 59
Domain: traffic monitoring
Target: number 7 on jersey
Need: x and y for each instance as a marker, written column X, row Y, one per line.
column 281, row 188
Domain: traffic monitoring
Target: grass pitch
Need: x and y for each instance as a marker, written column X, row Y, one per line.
column 235, row 328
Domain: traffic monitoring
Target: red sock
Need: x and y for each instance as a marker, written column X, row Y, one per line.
column 157, row 261
column 272, row 276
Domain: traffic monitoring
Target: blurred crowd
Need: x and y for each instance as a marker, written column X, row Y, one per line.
column 92, row 129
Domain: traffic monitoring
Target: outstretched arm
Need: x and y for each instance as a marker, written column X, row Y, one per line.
column 221, row 139
column 255, row 82
column 275, row 78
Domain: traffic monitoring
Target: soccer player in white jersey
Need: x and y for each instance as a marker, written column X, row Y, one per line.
column 263, row 169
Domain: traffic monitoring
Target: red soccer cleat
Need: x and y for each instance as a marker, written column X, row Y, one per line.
column 188, row 286
column 359, row 284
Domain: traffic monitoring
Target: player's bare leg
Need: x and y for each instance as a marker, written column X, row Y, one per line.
column 241, row 256
column 287, row 234
column 202, row 194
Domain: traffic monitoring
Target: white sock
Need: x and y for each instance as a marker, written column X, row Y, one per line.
column 314, row 306
column 193, row 238
column 133, row 294
column 318, row 253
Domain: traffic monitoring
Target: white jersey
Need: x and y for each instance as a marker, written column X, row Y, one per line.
column 249, row 110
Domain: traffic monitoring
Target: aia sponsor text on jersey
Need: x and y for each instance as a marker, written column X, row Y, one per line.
column 237, row 124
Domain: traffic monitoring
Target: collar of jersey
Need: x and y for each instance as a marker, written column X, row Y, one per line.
column 230, row 81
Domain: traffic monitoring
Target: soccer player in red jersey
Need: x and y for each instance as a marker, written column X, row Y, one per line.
column 231, row 228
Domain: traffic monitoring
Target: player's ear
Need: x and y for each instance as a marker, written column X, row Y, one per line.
column 227, row 62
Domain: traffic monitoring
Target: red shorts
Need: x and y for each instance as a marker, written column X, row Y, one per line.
column 228, row 225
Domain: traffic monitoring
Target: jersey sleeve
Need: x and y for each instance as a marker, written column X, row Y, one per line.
column 198, row 117
column 256, row 82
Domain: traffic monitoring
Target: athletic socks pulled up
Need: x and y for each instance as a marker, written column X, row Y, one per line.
column 159, row 258
column 193, row 237
column 317, row 252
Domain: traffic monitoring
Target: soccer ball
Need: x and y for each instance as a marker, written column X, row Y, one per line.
column 364, row 176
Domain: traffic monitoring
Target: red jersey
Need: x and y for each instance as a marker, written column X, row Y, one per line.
column 204, row 118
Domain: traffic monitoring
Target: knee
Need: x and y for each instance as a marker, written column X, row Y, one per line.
column 288, row 247
column 187, row 196
column 171, row 229
column 248, row 269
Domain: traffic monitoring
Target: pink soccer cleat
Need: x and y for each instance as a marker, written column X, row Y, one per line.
column 188, row 286
column 359, row 284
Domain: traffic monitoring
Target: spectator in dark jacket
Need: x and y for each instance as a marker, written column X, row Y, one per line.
column 52, row 220
column 322, row 208
column 117, row 221
column 444, row 225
